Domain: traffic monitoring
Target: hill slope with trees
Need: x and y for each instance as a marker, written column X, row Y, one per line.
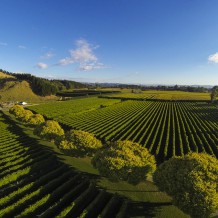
column 26, row 87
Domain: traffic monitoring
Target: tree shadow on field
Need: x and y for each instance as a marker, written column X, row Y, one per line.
column 144, row 209
column 76, row 153
column 126, row 190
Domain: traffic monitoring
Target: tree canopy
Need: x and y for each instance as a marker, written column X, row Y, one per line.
column 16, row 110
column 43, row 87
column 214, row 93
column 78, row 142
column 49, row 130
column 125, row 160
column 36, row 119
column 192, row 181
column 26, row 116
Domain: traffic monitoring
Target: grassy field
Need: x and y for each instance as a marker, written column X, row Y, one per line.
column 144, row 199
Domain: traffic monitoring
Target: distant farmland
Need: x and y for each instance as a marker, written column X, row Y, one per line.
column 161, row 95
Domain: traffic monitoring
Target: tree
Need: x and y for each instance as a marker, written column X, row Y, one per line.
column 27, row 114
column 49, row 130
column 192, row 181
column 36, row 119
column 214, row 93
column 16, row 110
column 125, row 160
column 79, row 142
column 21, row 113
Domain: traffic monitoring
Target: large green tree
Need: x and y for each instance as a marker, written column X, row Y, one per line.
column 214, row 93
column 192, row 181
column 17, row 110
column 50, row 130
column 36, row 119
column 125, row 160
column 78, row 142
column 26, row 116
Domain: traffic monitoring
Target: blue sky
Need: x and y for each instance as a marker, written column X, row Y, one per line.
column 127, row 41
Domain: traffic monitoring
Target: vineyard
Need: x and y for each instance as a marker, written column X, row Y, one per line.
column 61, row 108
column 35, row 183
column 165, row 128
column 161, row 95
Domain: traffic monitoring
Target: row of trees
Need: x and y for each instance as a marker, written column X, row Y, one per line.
column 27, row 116
column 191, row 180
column 154, row 87
column 73, row 141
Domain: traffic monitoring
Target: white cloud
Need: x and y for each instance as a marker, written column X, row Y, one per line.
column 3, row 43
column 42, row 65
column 21, row 46
column 84, row 55
column 48, row 55
column 213, row 58
column 93, row 66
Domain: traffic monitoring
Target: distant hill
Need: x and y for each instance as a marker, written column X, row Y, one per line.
column 26, row 87
column 17, row 91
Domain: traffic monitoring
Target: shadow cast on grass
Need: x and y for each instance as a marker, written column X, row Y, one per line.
column 144, row 209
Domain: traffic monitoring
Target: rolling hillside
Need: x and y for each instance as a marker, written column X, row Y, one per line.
column 12, row 89
column 3, row 75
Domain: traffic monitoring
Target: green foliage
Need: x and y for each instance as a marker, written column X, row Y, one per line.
column 166, row 128
column 34, row 182
column 66, row 109
column 13, row 176
column 214, row 93
column 36, row 119
column 16, row 110
column 32, row 208
column 49, row 130
column 80, row 143
column 44, row 87
column 21, row 113
column 192, row 181
column 125, row 160
column 26, row 116
column 186, row 95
